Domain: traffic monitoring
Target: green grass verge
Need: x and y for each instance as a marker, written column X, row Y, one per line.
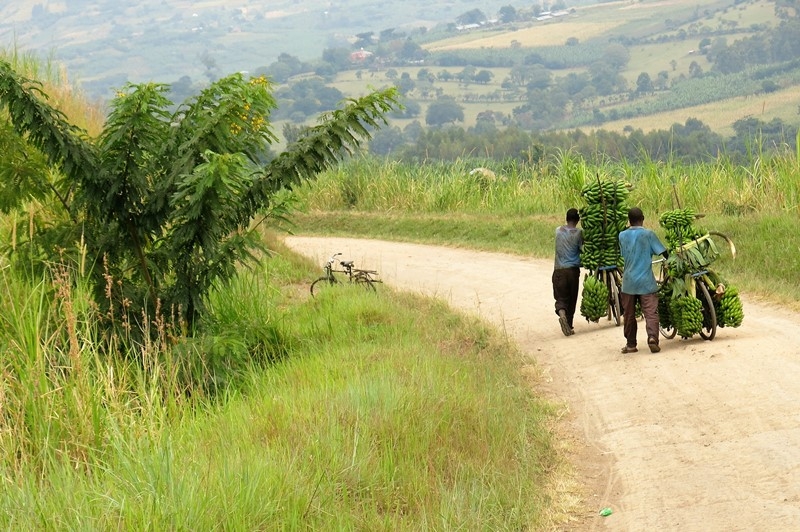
column 375, row 412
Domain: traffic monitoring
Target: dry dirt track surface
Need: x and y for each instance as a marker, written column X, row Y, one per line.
column 703, row 436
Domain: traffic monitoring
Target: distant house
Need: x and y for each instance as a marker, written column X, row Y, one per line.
column 360, row 56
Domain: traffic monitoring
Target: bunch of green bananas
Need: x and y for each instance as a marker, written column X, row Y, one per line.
column 594, row 299
column 679, row 226
column 686, row 314
column 730, row 312
column 602, row 218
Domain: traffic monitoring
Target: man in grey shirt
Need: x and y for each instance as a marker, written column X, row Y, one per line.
column 567, row 271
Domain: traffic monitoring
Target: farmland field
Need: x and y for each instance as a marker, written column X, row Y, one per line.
column 551, row 33
column 720, row 116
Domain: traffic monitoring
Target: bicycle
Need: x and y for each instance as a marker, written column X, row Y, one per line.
column 612, row 278
column 363, row 278
column 709, row 327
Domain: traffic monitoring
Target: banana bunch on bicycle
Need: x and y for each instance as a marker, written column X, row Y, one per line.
column 692, row 251
column 603, row 216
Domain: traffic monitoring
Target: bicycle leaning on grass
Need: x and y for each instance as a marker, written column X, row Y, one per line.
column 363, row 278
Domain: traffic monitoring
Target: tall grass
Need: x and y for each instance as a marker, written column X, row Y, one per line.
column 719, row 187
column 64, row 94
column 756, row 204
column 346, row 411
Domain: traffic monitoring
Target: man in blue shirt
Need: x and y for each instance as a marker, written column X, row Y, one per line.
column 566, row 275
column 637, row 246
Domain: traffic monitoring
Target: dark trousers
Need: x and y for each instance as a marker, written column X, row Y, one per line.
column 649, row 304
column 565, row 290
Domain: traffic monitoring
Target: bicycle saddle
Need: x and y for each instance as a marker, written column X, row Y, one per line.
column 347, row 263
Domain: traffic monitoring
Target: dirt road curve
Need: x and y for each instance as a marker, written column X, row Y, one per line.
column 704, row 436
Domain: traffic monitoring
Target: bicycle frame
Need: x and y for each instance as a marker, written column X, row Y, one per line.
column 354, row 275
column 610, row 276
column 700, row 290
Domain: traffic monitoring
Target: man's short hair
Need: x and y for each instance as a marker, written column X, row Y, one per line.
column 573, row 216
column 635, row 215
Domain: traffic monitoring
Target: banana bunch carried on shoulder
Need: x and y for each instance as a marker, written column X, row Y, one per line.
column 594, row 299
column 603, row 216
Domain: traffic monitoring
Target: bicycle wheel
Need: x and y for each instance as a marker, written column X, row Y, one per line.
column 668, row 332
column 365, row 281
column 709, row 329
column 320, row 284
column 614, row 305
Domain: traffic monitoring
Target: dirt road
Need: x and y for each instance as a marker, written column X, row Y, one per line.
column 703, row 436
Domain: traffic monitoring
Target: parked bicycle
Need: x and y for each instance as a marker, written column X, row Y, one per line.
column 363, row 278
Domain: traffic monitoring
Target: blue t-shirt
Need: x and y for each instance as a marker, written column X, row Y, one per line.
column 637, row 246
column 568, row 247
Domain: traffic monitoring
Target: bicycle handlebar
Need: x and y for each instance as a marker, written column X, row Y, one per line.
column 332, row 259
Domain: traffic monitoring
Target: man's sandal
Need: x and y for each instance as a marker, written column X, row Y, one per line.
column 652, row 343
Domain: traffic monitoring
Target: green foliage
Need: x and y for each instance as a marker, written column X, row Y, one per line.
column 162, row 202
column 444, row 111
column 379, row 418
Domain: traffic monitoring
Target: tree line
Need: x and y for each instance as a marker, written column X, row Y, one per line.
column 692, row 141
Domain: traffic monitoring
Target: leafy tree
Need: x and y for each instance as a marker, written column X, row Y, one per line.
column 164, row 202
column 444, row 75
column 405, row 84
column 661, row 80
column 538, row 77
column 616, row 55
column 444, row 111
column 467, row 74
column 286, row 66
column 425, row 74
column 411, row 51
column 606, row 79
column 386, row 141
column 644, row 84
column 409, row 109
column 695, row 70
column 507, row 14
column 769, row 85
column 338, row 57
column 483, row 76
column 474, row 16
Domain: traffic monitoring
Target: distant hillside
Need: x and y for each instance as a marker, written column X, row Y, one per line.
column 618, row 65
column 105, row 43
column 621, row 65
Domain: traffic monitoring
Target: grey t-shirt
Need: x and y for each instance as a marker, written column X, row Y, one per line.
column 568, row 247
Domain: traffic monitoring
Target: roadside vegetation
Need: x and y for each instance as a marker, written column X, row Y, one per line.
column 375, row 413
column 267, row 408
